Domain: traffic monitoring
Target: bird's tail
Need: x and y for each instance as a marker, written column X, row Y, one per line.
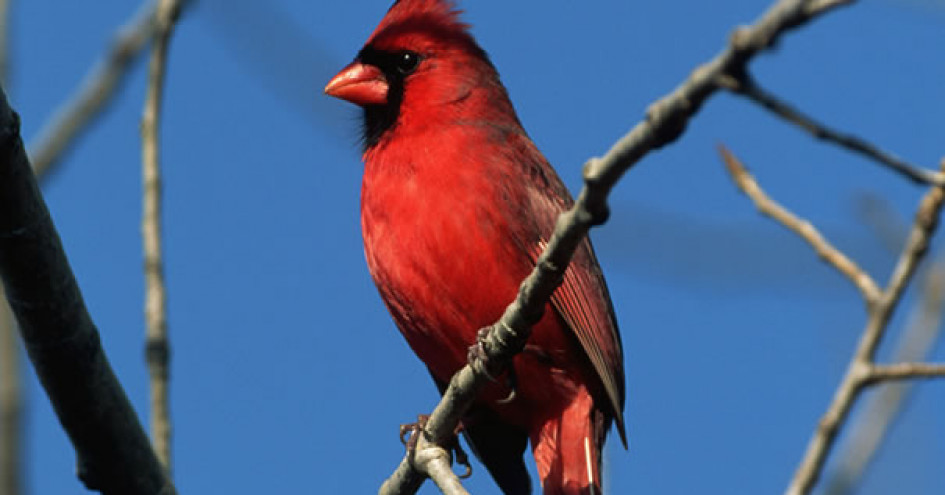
column 568, row 448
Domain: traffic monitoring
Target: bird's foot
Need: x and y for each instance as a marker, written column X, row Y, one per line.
column 410, row 436
column 477, row 356
column 409, row 432
column 480, row 361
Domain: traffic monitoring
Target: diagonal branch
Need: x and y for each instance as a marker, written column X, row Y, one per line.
column 11, row 390
column 158, row 348
column 868, row 432
column 113, row 452
column 665, row 121
column 96, row 91
column 746, row 86
column 767, row 206
column 11, row 404
column 859, row 371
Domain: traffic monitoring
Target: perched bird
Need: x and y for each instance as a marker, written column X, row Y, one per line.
column 457, row 203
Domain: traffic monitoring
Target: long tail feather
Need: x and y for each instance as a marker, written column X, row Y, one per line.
column 567, row 449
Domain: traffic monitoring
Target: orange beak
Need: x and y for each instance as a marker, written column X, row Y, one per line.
column 360, row 84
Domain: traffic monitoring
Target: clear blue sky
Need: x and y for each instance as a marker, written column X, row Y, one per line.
column 288, row 374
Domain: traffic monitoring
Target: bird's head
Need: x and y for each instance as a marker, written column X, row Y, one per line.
column 420, row 66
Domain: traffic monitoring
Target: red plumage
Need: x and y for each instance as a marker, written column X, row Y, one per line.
column 457, row 203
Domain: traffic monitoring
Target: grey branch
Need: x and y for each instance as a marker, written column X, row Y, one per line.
column 95, row 92
column 870, row 428
column 155, row 308
column 905, row 371
column 744, row 180
column 434, row 461
column 11, row 404
column 861, row 370
column 114, row 454
column 745, row 85
column 664, row 123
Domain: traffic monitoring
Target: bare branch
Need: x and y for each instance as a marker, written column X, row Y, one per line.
column 665, row 121
column 746, row 86
column 404, row 480
column 158, row 349
column 905, row 371
column 871, row 426
column 435, row 462
column 11, row 404
column 113, row 452
column 11, row 393
column 859, row 370
column 95, row 92
column 767, row 206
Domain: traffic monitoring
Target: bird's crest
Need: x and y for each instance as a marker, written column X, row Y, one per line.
column 430, row 16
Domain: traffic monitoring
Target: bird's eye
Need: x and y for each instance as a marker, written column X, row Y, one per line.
column 407, row 62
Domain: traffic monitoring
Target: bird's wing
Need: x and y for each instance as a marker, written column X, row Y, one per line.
column 582, row 300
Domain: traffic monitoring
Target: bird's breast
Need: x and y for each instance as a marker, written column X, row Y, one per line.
column 442, row 247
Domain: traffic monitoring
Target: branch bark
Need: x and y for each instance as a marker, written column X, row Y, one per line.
column 860, row 371
column 114, row 455
column 767, row 206
column 96, row 91
column 155, row 308
column 665, row 122
column 869, row 430
column 11, row 404
column 746, row 86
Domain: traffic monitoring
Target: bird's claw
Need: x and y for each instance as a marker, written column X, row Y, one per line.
column 461, row 458
column 480, row 361
column 410, row 435
column 477, row 356
column 409, row 432
column 512, row 382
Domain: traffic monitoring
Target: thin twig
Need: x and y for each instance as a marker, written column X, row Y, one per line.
column 871, row 426
column 11, row 404
column 97, row 89
column 858, row 372
column 158, row 349
column 665, row 121
column 767, row 206
column 747, row 87
column 113, row 452
column 905, row 371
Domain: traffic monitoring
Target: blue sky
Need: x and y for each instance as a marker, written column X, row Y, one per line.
column 288, row 374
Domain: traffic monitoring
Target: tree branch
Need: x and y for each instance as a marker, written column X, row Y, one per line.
column 859, row 371
column 665, row 121
column 158, row 348
column 11, row 391
column 95, row 92
column 11, row 404
column 746, row 86
column 113, row 452
column 767, row 206
column 905, row 371
column 435, row 462
column 870, row 428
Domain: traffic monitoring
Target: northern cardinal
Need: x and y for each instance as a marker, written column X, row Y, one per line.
column 456, row 205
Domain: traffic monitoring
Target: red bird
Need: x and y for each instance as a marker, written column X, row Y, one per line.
column 456, row 205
